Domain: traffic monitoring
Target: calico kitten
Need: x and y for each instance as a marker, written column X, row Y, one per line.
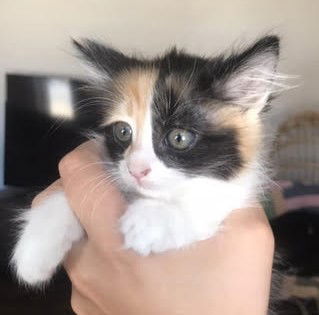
column 184, row 136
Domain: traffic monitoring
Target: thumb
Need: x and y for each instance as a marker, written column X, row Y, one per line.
column 94, row 199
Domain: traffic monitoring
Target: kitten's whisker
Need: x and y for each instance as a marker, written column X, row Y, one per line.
column 90, row 183
column 85, row 167
column 102, row 178
column 99, row 200
column 186, row 85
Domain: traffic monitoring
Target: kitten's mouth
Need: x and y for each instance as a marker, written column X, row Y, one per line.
column 143, row 184
column 150, row 193
column 145, row 187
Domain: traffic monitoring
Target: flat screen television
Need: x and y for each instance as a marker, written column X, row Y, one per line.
column 45, row 119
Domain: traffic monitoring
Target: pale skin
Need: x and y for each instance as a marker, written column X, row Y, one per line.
column 229, row 274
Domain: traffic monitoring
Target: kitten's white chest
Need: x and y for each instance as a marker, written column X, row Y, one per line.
column 190, row 213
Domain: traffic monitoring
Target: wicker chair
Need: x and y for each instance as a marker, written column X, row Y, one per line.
column 297, row 148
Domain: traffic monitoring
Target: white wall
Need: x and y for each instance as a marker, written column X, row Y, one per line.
column 34, row 34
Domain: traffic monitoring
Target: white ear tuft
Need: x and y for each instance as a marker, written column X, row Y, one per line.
column 251, row 77
column 255, row 82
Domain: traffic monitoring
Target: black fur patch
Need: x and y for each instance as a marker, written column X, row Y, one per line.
column 215, row 152
column 105, row 59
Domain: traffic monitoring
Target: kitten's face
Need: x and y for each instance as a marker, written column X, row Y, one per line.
column 178, row 117
column 129, row 131
column 160, row 132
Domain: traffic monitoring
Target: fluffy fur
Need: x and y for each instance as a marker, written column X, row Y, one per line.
column 176, row 196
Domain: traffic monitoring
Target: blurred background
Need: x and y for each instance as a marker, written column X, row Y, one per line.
column 40, row 77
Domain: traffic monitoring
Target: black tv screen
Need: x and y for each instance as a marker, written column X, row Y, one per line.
column 45, row 119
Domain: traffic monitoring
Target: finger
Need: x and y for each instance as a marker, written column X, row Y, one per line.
column 88, row 185
column 56, row 186
column 72, row 262
column 82, row 305
column 81, row 265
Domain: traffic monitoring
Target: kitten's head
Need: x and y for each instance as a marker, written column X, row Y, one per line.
column 177, row 117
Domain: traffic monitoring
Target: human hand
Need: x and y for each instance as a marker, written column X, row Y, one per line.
column 228, row 274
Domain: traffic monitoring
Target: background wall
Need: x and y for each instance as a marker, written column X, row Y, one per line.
column 34, row 35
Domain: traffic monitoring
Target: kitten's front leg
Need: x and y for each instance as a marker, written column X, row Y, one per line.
column 150, row 225
column 47, row 234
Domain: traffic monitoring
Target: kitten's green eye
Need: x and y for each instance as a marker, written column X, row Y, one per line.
column 181, row 139
column 122, row 131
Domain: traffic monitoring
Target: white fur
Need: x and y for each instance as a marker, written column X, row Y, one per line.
column 253, row 84
column 47, row 234
column 189, row 213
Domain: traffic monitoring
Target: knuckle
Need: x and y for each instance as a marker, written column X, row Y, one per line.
column 74, row 265
column 261, row 233
column 74, row 302
column 68, row 163
column 80, row 280
column 36, row 200
column 64, row 164
column 263, row 229
column 75, row 159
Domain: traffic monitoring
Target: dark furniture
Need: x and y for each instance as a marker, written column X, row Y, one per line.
column 46, row 117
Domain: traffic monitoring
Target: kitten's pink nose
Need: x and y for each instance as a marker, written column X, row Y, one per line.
column 139, row 174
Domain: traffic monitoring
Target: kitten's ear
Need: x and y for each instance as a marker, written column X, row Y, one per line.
column 249, row 78
column 105, row 61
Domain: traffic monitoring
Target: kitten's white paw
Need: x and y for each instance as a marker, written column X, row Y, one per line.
column 47, row 234
column 31, row 263
column 150, row 226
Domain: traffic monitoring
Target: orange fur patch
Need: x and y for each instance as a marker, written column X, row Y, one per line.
column 134, row 91
column 247, row 127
